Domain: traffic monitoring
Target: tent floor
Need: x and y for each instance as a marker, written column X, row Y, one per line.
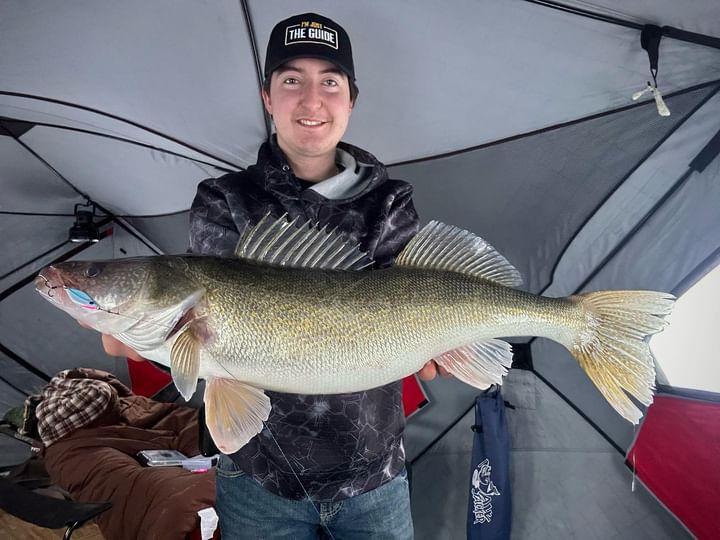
column 567, row 481
column 12, row 528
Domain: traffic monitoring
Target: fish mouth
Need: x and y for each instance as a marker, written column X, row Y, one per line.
column 50, row 285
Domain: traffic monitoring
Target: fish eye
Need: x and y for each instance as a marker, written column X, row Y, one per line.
column 92, row 271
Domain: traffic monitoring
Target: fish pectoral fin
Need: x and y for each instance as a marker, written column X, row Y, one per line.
column 234, row 413
column 185, row 361
column 479, row 364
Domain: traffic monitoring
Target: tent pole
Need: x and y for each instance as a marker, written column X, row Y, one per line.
column 668, row 31
column 256, row 58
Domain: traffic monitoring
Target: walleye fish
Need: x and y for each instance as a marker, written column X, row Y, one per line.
column 292, row 313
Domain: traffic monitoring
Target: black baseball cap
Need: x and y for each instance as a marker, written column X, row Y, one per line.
column 309, row 36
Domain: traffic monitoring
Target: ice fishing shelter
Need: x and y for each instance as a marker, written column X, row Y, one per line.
column 512, row 119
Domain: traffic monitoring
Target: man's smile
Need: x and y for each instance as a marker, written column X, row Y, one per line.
column 308, row 122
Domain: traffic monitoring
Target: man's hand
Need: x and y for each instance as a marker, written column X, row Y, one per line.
column 115, row 347
column 430, row 370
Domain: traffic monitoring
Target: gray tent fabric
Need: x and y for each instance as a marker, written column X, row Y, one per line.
column 553, row 67
column 512, row 119
column 576, row 167
column 46, row 232
column 668, row 247
column 140, row 66
column 47, row 338
column 703, row 19
column 170, row 233
column 126, row 169
column 19, row 379
column 635, row 197
column 566, row 480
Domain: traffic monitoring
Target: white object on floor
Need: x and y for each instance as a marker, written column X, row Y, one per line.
column 208, row 522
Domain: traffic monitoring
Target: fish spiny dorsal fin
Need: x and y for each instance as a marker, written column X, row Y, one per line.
column 299, row 245
column 444, row 247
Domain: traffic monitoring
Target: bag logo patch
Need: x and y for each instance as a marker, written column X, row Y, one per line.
column 311, row 32
column 482, row 492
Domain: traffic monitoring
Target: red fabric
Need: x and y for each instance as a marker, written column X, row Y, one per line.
column 146, row 379
column 414, row 397
column 677, row 456
column 197, row 535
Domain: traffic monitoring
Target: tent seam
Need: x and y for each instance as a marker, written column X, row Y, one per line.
column 47, row 164
column 121, row 139
column 118, row 118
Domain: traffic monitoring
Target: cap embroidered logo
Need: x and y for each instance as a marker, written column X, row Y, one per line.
column 311, row 32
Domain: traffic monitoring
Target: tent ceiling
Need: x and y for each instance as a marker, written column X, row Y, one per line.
column 180, row 76
column 125, row 178
column 24, row 177
column 53, row 114
column 432, row 79
column 530, row 196
column 638, row 194
column 177, row 67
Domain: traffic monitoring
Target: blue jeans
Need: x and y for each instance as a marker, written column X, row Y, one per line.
column 247, row 510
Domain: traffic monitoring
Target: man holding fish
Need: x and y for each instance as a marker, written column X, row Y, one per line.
column 341, row 446
column 302, row 351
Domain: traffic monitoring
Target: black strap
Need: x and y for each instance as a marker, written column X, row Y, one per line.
column 650, row 41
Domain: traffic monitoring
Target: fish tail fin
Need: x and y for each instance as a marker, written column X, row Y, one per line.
column 612, row 347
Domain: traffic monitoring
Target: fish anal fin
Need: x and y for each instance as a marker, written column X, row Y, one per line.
column 444, row 247
column 234, row 413
column 479, row 364
column 185, row 361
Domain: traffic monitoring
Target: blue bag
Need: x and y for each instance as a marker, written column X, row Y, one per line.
column 489, row 504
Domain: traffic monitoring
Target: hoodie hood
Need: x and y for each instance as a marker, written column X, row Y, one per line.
column 361, row 173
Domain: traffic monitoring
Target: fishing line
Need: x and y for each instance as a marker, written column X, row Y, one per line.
column 634, row 458
column 325, row 527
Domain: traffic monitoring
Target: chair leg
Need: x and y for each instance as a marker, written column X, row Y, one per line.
column 70, row 529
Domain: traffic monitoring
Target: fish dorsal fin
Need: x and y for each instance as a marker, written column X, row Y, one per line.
column 298, row 244
column 444, row 247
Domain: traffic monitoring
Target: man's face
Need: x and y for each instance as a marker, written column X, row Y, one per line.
column 309, row 101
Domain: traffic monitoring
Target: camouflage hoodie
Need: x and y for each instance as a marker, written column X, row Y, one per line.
column 339, row 445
